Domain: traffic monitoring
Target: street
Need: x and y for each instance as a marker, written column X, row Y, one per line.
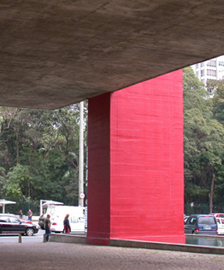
column 36, row 238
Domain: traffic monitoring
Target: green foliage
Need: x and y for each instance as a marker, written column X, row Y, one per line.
column 18, row 181
column 39, row 153
column 203, row 140
column 218, row 100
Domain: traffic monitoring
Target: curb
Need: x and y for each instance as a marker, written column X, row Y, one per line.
column 77, row 239
column 67, row 238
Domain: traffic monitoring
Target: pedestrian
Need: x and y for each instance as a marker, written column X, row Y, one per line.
column 30, row 214
column 20, row 214
column 67, row 227
column 47, row 226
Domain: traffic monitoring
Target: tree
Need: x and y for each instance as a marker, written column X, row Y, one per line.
column 39, row 153
column 218, row 99
column 203, row 141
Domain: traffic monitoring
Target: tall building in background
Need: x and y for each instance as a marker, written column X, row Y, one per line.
column 212, row 69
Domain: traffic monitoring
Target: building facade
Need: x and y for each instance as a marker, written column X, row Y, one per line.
column 212, row 69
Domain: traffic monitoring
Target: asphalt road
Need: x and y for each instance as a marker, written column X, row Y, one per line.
column 36, row 238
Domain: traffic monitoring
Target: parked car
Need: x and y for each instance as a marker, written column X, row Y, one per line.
column 25, row 220
column 201, row 224
column 185, row 218
column 218, row 214
column 11, row 224
column 220, row 222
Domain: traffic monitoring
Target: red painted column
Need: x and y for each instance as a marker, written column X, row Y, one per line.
column 136, row 186
column 99, row 170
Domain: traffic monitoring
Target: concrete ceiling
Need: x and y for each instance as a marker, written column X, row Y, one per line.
column 55, row 53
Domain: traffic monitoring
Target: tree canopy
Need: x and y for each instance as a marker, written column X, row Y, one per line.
column 203, row 142
column 39, row 155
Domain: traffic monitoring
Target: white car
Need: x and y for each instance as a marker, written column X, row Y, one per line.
column 220, row 222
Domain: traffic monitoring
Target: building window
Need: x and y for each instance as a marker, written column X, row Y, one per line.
column 211, row 63
column 221, row 63
column 211, row 72
column 196, row 65
column 197, row 74
column 202, row 64
column 202, row 73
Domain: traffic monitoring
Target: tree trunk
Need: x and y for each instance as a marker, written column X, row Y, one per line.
column 17, row 145
column 211, row 194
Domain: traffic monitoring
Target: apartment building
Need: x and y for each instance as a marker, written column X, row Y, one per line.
column 212, row 69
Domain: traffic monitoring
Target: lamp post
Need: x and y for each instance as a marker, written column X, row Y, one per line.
column 81, row 146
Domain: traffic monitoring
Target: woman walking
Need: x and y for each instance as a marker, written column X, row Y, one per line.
column 67, row 227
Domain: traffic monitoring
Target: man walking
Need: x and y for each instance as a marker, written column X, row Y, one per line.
column 47, row 226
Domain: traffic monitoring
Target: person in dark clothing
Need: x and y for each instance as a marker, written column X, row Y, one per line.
column 67, row 227
column 47, row 226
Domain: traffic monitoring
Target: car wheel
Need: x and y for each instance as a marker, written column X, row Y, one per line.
column 29, row 232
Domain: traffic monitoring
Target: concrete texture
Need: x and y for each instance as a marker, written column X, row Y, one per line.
column 81, row 239
column 55, row 53
column 59, row 256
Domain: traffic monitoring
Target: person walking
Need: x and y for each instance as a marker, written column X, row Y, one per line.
column 67, row 227
column 21, row 214
column 47, row 227
column 30, row 214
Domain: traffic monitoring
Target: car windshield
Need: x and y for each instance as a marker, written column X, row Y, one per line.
column 206, row 220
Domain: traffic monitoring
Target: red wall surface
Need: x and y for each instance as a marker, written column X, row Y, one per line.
column 136, row 186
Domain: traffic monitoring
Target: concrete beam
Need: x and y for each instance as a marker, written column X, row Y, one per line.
column 55, row 53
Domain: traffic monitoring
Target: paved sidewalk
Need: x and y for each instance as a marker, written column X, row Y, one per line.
column 59, row 256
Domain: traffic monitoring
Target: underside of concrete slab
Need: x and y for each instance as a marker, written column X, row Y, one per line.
column 55, row 53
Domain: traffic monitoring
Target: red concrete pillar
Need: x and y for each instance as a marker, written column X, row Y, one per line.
column 136, row 186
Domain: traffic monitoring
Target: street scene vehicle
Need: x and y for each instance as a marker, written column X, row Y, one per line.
column 201, row 224
column 44, row 204
column 41, row 221
column 217, row 214
column 57, row 214
column 220, row 223
column 185, row 218
column 11, row 224
column 25, row 220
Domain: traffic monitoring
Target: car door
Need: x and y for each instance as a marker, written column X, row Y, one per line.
column 220, row 223
column 5, row 225
column 15, row 226
column 190, row 225
column 77, row 223
column 3, row 221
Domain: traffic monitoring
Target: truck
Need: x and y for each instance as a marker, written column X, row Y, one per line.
column 76, row 217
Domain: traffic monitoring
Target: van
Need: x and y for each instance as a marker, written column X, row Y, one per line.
column 201, row 224
column 76, row 217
